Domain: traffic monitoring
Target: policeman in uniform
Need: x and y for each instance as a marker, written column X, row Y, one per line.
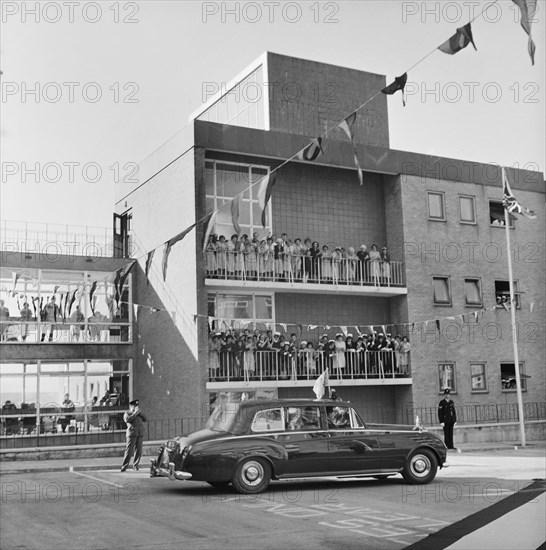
column 135, row 435
column 447, row 417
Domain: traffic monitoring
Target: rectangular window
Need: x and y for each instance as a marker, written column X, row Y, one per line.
column 473, row 292
column 446, row 377
column 226, row 180
column 502, row 294
column 442, row 293
column 436, row 210
column 270, row 420
column 496, row 215
column 478, row 381
column 240, row 310
column 508, row 377
column 467, row 209
column 302, row 418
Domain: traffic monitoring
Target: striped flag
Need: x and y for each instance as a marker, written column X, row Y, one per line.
column 528, row 9
column 510, row 203
column 121, row 275
column 264, row 193
column 347, row 126
column 312, row 151
column 321, row 383
column 149, row 259
column 398, row 84
column 235, row 213
column 461, row 39
column 208, row 222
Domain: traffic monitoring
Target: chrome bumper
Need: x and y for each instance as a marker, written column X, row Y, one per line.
column 171, row 473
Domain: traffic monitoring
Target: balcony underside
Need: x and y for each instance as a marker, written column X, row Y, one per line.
column 234, row 385
column 310, row 288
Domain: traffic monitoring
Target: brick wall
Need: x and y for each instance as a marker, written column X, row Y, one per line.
column 457, row 250
column 307, row 97
column 329, row 206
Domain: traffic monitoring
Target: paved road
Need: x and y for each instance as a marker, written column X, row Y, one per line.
column 109, row 509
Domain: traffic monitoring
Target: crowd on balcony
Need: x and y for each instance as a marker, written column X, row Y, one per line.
column 52, row 319
column 284, row 259
column 247, row 355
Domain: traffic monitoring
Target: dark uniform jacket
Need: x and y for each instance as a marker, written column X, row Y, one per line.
column 446, row 411
column 135, row 423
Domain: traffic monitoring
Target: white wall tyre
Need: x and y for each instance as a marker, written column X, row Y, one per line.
column 421, row 467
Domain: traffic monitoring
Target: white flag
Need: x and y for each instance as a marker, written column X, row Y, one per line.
column 320, row 384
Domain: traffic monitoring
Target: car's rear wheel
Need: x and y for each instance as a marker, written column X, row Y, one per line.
column 219, row 484
column 421, row 467
column 252, row 476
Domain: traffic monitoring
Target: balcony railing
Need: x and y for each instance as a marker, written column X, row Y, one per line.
column 249, row 266
column 273, row 366
column 49, row 238
column 35, row 332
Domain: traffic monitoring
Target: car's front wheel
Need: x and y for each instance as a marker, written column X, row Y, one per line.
column 252, row 476
column 421, row 467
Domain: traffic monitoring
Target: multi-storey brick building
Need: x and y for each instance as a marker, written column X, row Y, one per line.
column 439, row 218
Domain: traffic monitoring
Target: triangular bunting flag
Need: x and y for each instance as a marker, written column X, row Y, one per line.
column 121, row 275
column 264, row 193
column 528, row 9
column 531, row 306
column 169, row 244
column 343, row 329
column 398, row 84
column 461, row 39
column 148, row 266
column 15, row 279
column 235, row 212
column 347, row 126
column 312, row 151
column 438, row 325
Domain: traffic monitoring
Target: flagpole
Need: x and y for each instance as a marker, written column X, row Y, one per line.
column 513, row 319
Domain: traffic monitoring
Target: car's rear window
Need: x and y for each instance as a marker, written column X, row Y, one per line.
column 222, row 417
column 270, row 420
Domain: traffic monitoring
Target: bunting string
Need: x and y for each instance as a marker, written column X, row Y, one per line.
column 313, row 149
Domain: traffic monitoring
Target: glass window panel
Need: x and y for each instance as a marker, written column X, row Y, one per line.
column 209, row 179
column 209, row 204
column 231, row 179
column 264, row 307
column 477, row 374
column 441, row 290
column 244, row 213
column 225, row 229
column 467, row 209
column 472, row 290
column 222, row 111
column 436, row 205
column 253, row 116
column 11, row 368
column 94, row 367
column 231, row 306
column 242, row 118
column 53, row 367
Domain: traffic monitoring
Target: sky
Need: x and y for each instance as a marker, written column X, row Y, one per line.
column 90, row 89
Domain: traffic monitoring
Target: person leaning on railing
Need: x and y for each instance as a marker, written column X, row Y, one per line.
column 4, row 317
column 26, row 316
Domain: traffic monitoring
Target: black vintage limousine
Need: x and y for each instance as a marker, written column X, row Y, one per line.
column 252, row 442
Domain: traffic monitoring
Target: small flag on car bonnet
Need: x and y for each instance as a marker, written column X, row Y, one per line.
column 398, row 84
column 320, row 384
column 461, row 39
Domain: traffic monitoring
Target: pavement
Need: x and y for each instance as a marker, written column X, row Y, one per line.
column 109, row 463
